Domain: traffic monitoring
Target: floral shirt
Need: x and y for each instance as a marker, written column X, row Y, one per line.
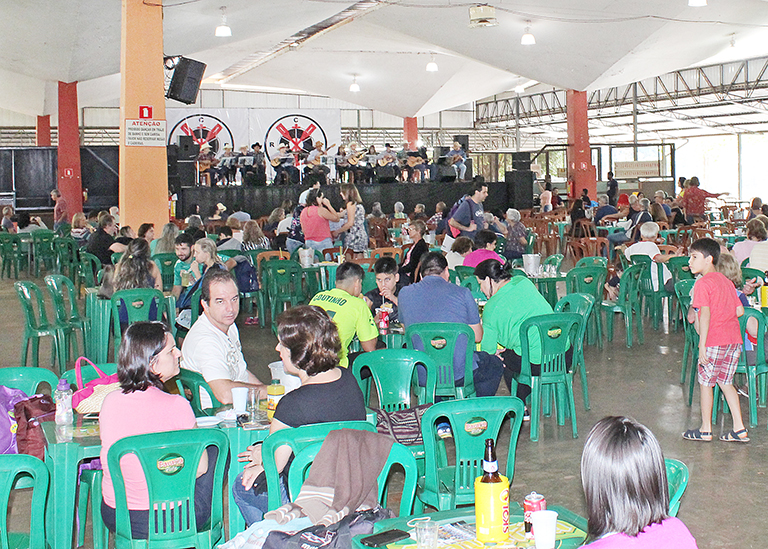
column 694, row 200
column 356, row 239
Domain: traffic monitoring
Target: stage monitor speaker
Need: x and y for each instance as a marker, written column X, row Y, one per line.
column 185, row 81
column 463, row 140
column 520, row 188
column 188, row 149
column 186, row 172
column 521, row 160
column 446, row 173
column 439, row 154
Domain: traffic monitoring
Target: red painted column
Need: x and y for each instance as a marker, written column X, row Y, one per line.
column 70, row 184
column 43, row 131
column 410, row 132
column 579, row 154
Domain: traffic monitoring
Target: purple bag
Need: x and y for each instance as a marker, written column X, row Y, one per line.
column 8, row 399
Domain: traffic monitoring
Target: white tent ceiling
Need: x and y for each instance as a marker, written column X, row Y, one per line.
column 581, row 44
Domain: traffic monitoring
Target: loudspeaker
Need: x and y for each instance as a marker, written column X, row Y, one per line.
column 186, row 172
column 173, row 157
column 440, row 152
column 521, row 160
column 463, row 140
column 187, row 148
column 185, row 81
column 520, row 188
column 446, row 173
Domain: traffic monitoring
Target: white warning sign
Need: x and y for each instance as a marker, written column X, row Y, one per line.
column 145, row 133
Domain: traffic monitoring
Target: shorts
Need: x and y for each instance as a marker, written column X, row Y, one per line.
column 722, row 362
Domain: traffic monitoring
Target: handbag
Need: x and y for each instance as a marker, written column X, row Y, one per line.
column 88, row 398
column 29, row 433
column 402, row 425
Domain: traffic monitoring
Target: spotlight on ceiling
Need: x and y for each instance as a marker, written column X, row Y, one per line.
column 519, row 89
column 482, row 15
column 432, row 65
column 528, row 39
column 697, row 3
column 223, row 30
column 354, row 87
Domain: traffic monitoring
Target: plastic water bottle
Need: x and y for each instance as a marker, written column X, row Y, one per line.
column 63, row 398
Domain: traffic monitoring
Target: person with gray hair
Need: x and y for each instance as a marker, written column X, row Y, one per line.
column 647, row 246
column 516, row 236
column 636, row 214
column 604, row 208
column 399, row 211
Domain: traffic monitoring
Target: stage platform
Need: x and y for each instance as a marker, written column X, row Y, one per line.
column 260, row 201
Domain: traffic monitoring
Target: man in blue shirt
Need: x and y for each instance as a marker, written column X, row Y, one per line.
column 469, row 217
column 603, row 208
column 456, row 157
column 435, row 299
column 658, row 197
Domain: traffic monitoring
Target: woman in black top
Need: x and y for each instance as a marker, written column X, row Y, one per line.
column 309, row 345
column 577, row 212
column 416, row 230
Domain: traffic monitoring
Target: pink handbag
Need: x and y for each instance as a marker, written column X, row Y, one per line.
column 88, row 398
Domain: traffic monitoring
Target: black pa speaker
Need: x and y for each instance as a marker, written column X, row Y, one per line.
column 186, row 172
column 520, row 188
column 521, row 160
column 173, row 157
column 187, row 148
column 463, row 140
column 438, row 153
column 185, row 81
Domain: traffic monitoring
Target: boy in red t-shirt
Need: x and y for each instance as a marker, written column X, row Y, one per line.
column 719, row 309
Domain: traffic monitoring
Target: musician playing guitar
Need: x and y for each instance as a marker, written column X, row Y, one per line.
column 285, row 171
column 456, row 158
column 314, row 164
column 416, row 164
column 352, row 158
column 206, row 163
column 388, row 157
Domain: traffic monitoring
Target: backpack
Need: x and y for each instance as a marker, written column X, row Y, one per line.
column 454, row 232
column 247, row 277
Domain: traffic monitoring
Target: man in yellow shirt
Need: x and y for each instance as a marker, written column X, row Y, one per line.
column 348, row 310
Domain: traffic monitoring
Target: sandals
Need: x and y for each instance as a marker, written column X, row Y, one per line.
column 696, row 434
column 735, row 436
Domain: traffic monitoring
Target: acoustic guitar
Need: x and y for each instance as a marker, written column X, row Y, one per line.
column 354, row 159
column 386, row 160
column 317, row 160
column 414, row 161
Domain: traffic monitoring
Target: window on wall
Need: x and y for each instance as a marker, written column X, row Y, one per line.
column 714, row 160
column 753, row 175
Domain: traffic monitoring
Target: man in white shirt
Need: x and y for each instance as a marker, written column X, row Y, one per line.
column 314, row 165
column 212, row 346
column 647, row 246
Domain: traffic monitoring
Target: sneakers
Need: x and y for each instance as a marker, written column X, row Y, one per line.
column 252, row 321
column 444, row 430
column 527, row 414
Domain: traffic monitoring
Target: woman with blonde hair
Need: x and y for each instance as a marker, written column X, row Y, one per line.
column 166, row 244
column 253, row 237
column 80, row 230
column 356, row 239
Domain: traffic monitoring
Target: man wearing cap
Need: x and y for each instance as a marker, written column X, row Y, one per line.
column 206, row 162
column 285, row 172
column 227, row 171
column 314, row 165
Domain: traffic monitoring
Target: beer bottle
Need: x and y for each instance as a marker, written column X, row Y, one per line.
column 490, row 465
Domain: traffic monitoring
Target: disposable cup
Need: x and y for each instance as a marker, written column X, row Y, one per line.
column 544, row 528
column 426, row 535
column 239, row 398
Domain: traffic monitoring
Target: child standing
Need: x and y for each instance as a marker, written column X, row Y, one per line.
column 719, row 309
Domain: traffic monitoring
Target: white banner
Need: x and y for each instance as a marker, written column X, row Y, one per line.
column 299, row 129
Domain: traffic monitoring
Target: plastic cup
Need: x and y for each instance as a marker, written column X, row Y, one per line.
column 544, row 528
column 239, row 398
column 426, row 535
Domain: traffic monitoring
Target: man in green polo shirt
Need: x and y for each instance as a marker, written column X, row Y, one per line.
column 184, row 243
column 348, row 310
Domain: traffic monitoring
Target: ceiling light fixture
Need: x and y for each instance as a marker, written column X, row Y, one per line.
column 354, row 87
column 519, row 89
column 697, row 3
column 482, row 15
column 223, row 30
column 432, row 65
column 528, row 39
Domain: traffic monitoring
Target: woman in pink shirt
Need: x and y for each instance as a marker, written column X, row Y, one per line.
column 148, row 358
column 625, row 486
column 485, row 244
column 315, row 221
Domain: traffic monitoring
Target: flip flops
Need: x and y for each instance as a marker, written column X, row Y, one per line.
column 735, row 436
column 697, row 435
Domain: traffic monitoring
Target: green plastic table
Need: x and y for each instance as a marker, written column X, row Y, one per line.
column 547, row 286
column 320, row 277
column 572, row 540
column 26, row 238
column 99, row 311
column 732, row 239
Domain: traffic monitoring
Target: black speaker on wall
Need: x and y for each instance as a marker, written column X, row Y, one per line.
column 185, row 81
column 521, row 160
column 187, row 148
column 520, row 188
column 463, row 140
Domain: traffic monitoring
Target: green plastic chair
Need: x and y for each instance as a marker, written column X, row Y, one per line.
column 398, row 455
column 653, row 298
column 531, row 242
column 66, row 255
column 439, row 340
column 196, row 310
column 394, row 373
column 43, row 251
column 166, row 263
column 592, row 261
column 448, row 483
column 554, row 259
column 86, row 274
column 369, row 282
column 628, row 304
column 501, row 243
column 463, row 272
column 677, row 481
column 189, row 384
column 748, row 273
column 745, row 263
column 28, row 379
column 64, row 298
column 581, row 304
column 36, row 325
column 473, row 284
column 115, row 257
column 557, row 332
column 453, row 277
column 591, row 281
column 228, row 254
column 14, row 258
column 297, row 439
column 295, row 255
column 750, row 371
column 65, row 229
column 678, row 267
column 173, row 487
column 283, row 283
column 137, row 303
column 34, row 473
column 691, row 346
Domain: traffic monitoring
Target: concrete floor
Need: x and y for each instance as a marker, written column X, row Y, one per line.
column 726, row 495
